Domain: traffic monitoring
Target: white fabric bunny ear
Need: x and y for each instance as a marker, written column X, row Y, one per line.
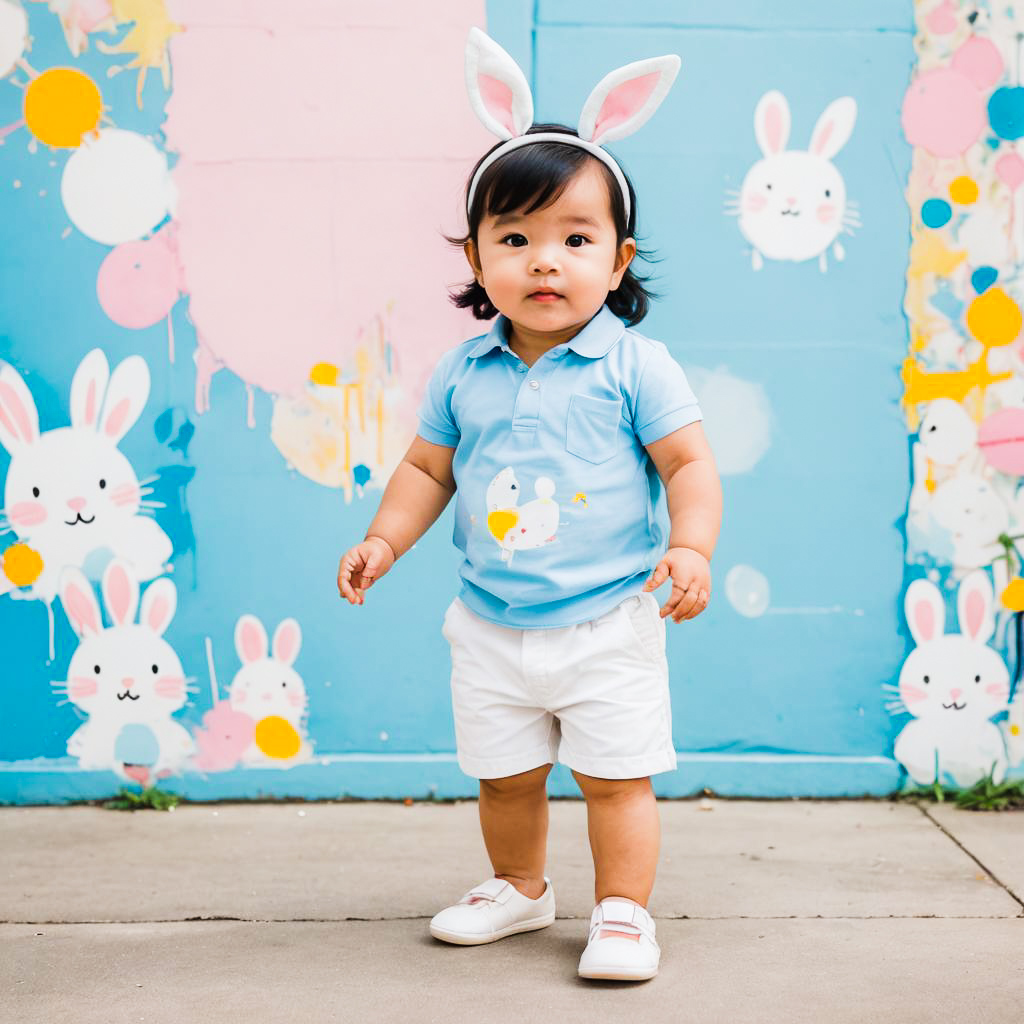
column 625, row 98
column 497, row 87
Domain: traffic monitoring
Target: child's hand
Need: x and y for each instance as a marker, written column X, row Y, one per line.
column 691, row 583
column 361, row 566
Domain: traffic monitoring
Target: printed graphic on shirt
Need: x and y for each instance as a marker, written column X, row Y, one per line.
column 515, row 527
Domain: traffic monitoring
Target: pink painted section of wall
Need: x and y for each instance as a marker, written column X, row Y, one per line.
column 323, row 149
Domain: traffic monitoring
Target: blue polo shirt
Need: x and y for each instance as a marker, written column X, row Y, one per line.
column 557, row 508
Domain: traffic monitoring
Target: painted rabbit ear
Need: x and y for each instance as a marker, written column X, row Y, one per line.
column 834, row 127
column 771, row 122
column 88, row 386
column 925, row 610
column 159, row 603
column 250, row 639
column 287, row 641
column 974, row 606
column 79, row 602
column 19, row 421
column 120, row 592
column 625, row 99
column 126, row 397
column 498, row 90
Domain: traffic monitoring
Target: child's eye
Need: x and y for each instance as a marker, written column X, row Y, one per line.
column 507, row 237
column 569, row 241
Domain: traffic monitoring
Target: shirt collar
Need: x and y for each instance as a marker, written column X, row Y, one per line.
column 595, row 340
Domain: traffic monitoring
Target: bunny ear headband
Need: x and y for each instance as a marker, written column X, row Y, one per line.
column 619, row 104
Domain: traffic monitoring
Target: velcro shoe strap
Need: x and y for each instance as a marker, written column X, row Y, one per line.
column 496, row 890
column 618, row 913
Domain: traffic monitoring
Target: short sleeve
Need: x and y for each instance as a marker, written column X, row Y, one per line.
column 664, row 401
column 437, row 423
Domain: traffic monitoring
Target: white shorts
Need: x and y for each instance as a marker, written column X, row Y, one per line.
column 593, row 696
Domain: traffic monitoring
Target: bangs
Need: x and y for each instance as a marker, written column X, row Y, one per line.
column 528, row 179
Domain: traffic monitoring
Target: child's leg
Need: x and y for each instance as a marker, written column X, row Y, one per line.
column 625, row 834
column 514, row 820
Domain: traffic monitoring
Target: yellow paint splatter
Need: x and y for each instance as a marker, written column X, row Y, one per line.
column 580, row 496
column 147, row 41
column 1013, row 596
column 1014, row 730
column 61, row 105
column 325, row 374
column 963, row 190
column 994, row 318
column 22, row 565
column 500, row 521
column 276, row 737
column 920, row 386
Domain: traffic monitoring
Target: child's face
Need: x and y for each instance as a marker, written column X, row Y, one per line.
column 569, row 247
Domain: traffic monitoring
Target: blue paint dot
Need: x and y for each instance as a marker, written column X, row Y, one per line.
column 137, row 744
column 984, row 277
column 936, row 212
column 361, row 474
column 1006, row 112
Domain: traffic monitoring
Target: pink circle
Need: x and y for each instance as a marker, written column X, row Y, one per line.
column 943, row 111
column 1010, row 170
column 1001, row 440
column 137, row 283
column 980, row 61
column 942, row 20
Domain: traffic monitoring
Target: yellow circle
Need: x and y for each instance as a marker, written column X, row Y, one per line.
column 1013, row 596
column 994, row 318
column 963, row 190
column 277, row 737
column 22, row 565
column 61, row 105
column 325, row 374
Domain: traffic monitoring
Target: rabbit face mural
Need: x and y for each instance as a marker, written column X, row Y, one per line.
column 70, row 491
column 952, row 685
column 792, row 204
column 270, row 692
column 126, row 677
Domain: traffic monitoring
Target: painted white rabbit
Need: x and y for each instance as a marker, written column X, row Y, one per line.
column 125, row 677
column 70, row 491
column 952, row 685
column 266, row 686
column 792, row 204
column 515, row 527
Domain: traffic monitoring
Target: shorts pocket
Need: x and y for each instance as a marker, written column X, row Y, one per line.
column 592, row 428
column 647, row 627
column 446, row 622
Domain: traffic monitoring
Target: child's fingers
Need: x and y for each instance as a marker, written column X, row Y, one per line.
column 699, row 605
column 687, row 600
column 348, row 567
column 658, row 577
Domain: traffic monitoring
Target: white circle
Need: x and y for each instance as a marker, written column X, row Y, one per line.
column 116, row 187
column 747, row 590
column 13, row 35
column 737, row 418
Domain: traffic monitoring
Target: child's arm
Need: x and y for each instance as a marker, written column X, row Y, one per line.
column 694, row 496
column 417, row 493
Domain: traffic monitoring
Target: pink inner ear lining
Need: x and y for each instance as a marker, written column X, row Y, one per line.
column 252, row 644
column 286, row 642
column 90, row 404
column 925, row 619
column 120, row 594
column 22, row 427
column 81, row 609
column 157, row 611
column 822, row 139
column 624, row 101
column 974, row 608
column 773, row 127
column 117, row 417
column 497, row 97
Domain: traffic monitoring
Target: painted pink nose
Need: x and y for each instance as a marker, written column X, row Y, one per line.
column 76, row 504
column 127, row 682
column 955, row 693
column 791, row 200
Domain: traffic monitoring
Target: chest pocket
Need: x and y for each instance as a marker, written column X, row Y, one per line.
column 592, row 428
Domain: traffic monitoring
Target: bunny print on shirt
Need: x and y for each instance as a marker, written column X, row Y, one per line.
column 792, row 204
column 71, row 492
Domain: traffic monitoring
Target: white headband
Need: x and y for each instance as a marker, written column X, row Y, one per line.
column 618, row 105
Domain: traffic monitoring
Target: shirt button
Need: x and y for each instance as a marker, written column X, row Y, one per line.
column 534, row 385
column 521, row 368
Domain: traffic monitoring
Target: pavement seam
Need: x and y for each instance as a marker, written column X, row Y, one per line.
column 988, row 871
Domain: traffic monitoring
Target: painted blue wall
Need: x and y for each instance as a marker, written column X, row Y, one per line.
column 786, row 704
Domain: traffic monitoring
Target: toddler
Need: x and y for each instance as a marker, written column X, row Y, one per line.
column 557, row 640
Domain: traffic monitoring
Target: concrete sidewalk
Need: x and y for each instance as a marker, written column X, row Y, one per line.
column 768, row 911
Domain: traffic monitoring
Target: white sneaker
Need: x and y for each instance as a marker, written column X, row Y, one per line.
column 622, row 945
column 492, row 910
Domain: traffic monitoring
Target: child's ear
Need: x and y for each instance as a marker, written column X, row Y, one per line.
column 474, row 260
column 623, row 258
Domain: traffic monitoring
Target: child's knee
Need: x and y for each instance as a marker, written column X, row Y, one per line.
column 517, row 785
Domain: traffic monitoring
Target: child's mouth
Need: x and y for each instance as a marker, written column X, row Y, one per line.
column 545, row 296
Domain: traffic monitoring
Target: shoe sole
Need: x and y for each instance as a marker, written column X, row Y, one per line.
column 618, row 973
column 463, row 939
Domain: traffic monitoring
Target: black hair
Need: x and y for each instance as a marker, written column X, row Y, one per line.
column 532, row 177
